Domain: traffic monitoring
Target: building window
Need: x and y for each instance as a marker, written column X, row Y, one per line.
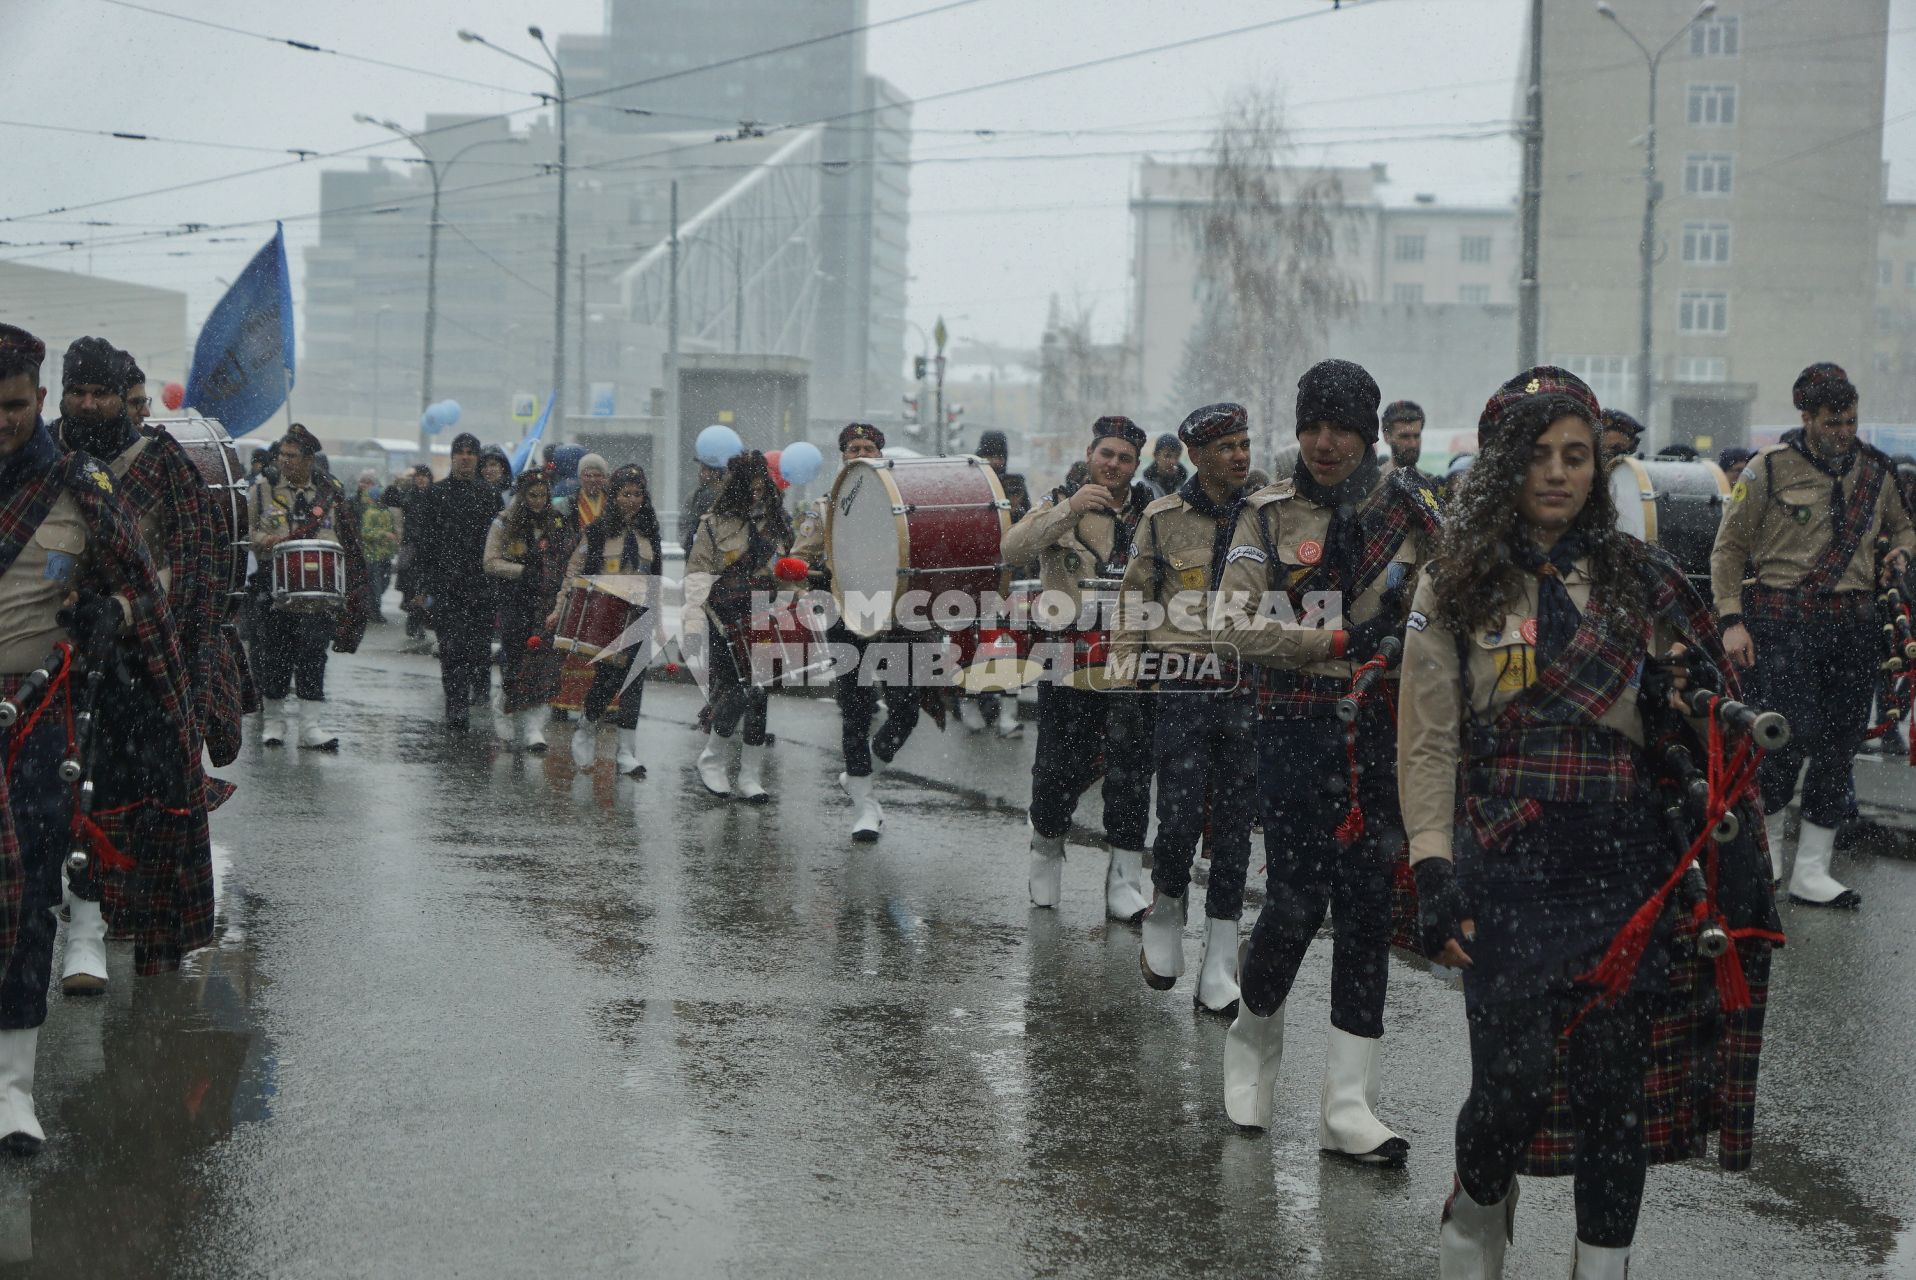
column 1712, row 104
column 1708, row 173
column 1474, row 293
column 1714, row 38
column 1706, row 243
column 1702, row 369
column 1703, row 311
column 1609, row 376
column 1408, row 293
column 1473, row 249
column 1407, row 249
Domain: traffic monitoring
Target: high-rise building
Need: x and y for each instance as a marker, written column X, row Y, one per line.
column 1769, row 143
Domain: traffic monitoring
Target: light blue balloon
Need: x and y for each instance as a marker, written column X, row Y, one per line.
column 800, row 463
column 452, row 412
column 429, row 420
column 717, row 445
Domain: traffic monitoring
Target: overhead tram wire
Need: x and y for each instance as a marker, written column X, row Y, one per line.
column 469, row 122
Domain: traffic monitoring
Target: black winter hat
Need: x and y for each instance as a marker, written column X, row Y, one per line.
column 96, row 362
column 1340, row 392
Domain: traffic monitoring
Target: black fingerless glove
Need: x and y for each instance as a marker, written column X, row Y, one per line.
column 1440, row 905
column 94, row 623
column 1361, row 641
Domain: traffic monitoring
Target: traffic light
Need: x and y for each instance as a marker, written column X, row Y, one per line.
column 918, row 368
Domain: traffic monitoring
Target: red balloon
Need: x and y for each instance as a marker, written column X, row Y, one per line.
column 173, row 395
column 791, row 568
column 771, row 464
column 534, row 642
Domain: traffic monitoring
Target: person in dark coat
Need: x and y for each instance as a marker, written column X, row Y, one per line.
column 449, row 535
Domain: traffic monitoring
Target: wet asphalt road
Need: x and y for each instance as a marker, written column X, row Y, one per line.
column 475, row 1015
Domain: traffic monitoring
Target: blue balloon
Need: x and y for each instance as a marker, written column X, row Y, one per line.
column 800, row 463
column 717, row 445
column 451, row 408
column 429, row 420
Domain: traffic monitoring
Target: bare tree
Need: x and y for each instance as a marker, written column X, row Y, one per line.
column 1269, row 280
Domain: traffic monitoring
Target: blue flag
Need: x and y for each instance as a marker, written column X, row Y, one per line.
column 243, row 365
column 523, row 453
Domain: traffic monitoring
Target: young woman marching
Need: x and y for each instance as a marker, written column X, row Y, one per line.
column 622, row 542
column 1526, row 648
column 730, row 559
column 525, row 556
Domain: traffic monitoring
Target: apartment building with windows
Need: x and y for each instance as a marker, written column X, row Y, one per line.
column 1888, row 383
column 1769, row 144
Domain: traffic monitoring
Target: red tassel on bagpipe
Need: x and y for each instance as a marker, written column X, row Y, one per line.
column 1728, row 782
column 1351, row 829
column 100, row 847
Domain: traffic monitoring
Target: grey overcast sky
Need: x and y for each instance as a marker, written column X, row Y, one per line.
column 992, row 237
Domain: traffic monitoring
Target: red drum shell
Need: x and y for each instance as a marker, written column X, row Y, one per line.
column 916, row 524
column 590, row 619
column 309, row 575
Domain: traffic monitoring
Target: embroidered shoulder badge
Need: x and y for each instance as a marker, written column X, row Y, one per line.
column 99, row 477
column 1416, row 621
column 1739, row 491
column 1245, row 553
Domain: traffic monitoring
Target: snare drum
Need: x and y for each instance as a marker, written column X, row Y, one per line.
column 1672, row 504
column 914, row 524
column 211, row 451
column 309, row 576
column 998, row 659
column 592, row 617
column 1089, row 649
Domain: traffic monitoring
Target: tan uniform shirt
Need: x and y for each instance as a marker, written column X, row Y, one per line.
column 1172, row 568
column 718, row 545
column 505, row 555
column 278, row 507
column 1296, row 528
column 1778, row 519
column 1067, row 545
column 36, row 585
column 1430, row 712
column 614, row 551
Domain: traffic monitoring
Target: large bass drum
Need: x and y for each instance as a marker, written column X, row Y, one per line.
column 1672, row 504
column 213, row 455
column 914, row 524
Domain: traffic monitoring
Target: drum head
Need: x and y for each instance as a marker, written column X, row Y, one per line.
column 867, row 540
column 1000, row 675
column 1634, row 499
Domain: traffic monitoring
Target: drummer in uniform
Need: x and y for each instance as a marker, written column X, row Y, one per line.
column 1808, row 514
column 192, row 551
column 1077, row 532
column 73, row 571
column 1202, row 742
column 1333, row 837
column 303, row 504
column 622, row 543
column 866, row 753
column 730, row 560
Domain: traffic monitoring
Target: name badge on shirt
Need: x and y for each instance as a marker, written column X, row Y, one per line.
column 59, row 566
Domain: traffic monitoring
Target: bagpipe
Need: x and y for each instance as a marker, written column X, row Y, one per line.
column 1896, row 671
column 38, row 694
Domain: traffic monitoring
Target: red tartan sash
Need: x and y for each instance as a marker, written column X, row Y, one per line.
column 1847, row 535
column 22, row 512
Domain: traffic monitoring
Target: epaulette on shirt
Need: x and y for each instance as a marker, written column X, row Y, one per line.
column 1169, row 502
column 1276, row 491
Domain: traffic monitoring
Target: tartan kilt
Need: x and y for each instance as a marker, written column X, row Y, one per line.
column 1701, row 1078
column 165, row 904
column 575, row 681
column 13, row 875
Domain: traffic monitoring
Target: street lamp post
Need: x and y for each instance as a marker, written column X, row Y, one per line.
column 559, row 261
column 377, row 317
column 1652, row 193
column 438, row 173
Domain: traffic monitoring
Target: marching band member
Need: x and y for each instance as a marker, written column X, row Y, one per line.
column 1803, row 513
column 455, row 518
column 1335, row 525
column 73, row 571
column 192, row 553
column 1000, row 708
column 1076, row 532
column 1527, row 643
column 1202, row 738
column 731, row 559
column 303, row 503
column 525, row 551
column 866, row 753
column 622, row 542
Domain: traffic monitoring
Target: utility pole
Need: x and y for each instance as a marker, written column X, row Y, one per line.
column 671, row 440
column 1528, row 287
column 938, row 335
column 738, row 292
column 584, row 400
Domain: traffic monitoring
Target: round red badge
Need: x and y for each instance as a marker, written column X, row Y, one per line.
column 318, row 512
column 1528, row 631
column 1310, row 552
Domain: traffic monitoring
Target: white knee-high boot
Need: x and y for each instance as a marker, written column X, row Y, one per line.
column 1348, row 1122
column 1811, row 884
column 1471, row 1237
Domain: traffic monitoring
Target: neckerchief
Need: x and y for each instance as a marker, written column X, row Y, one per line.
column 25, row 495
column 1344, row 540
column 1557, row 614
column 590, row 508
column 1223, row 519
column 1850, row 517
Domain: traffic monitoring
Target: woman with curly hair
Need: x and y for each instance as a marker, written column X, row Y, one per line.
column 525, row 556
column 624, row 543
column 730, row 559
column 1526, row 650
